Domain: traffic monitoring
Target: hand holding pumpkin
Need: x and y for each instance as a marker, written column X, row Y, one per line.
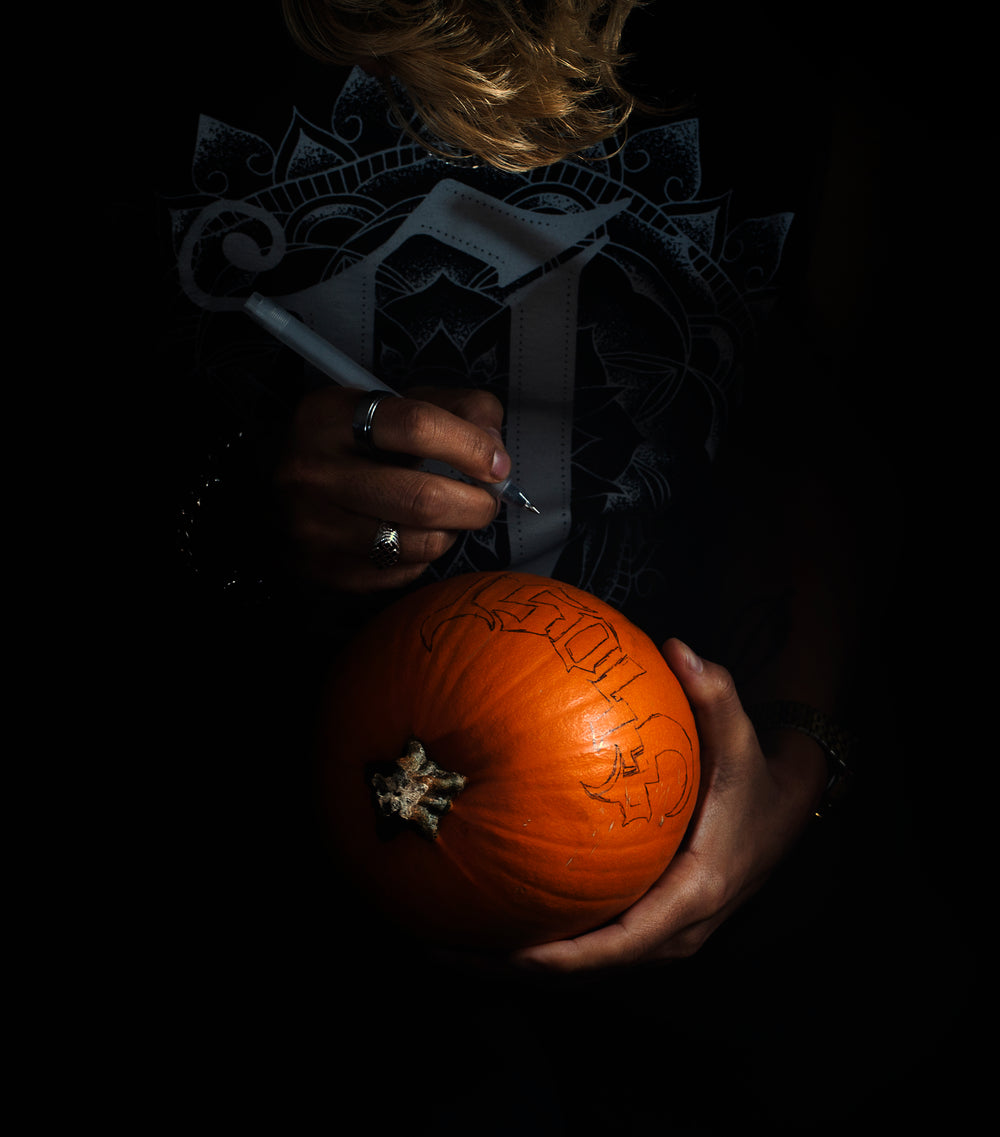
column 505, row 760
column 334, row 495
column 751, row 809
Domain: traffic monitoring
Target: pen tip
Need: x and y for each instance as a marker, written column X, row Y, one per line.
column 532, row 508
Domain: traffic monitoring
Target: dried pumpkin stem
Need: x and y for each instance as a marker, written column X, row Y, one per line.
column 418, row 791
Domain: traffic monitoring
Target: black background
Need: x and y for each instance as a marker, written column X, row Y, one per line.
column 216, row 981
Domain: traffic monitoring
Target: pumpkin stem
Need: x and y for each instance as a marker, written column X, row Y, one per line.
column 419, row 791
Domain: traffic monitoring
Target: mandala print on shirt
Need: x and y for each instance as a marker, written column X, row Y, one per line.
column 604, row 302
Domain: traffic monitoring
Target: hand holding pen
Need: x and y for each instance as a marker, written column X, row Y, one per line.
column 360, row 523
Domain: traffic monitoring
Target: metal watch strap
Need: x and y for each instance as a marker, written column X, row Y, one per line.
column 837, row 743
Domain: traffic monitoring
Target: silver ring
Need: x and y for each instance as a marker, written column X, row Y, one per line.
column 364, row 413
column 385, row 548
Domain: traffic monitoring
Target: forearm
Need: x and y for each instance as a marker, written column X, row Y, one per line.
column 790, row 606
column 789, row 599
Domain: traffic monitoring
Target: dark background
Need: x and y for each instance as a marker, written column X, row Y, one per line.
column 870, row 1004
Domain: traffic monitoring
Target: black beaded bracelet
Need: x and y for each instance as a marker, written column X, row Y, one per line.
column 837, row 743
column 219, row 537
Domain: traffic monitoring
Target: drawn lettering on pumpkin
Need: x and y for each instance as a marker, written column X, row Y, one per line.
column 584, row 641
column 625, row 787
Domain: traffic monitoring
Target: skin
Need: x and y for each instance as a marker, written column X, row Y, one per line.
column 334, row 495
column 756, row 795
column 751, row 809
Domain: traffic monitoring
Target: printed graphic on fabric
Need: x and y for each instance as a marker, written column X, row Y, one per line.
column 604, row 301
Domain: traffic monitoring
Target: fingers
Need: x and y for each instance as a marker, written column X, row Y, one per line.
column 353, row 569
column 362, row 489
column 354, row 536
column 667, row 923
column 616, row 945
column 334, row 492
column 480, row 408
column 414, row 498
column 333, row 546
column 703, row 882
column 460, row 429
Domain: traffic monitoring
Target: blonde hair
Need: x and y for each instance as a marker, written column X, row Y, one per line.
column 516, row 83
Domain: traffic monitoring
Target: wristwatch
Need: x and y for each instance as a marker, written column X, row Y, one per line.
column 837, row 743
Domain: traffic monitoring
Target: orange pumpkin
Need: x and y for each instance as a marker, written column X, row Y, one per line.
column 507, row 760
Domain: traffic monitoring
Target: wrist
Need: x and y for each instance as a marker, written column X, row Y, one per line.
column 799, row 764
column 806, row 744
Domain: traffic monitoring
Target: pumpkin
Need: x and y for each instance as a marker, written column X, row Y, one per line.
column 506, row 760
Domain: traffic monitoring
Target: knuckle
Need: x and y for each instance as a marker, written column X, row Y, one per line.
column 689, row 943
column 318, row 416
column 490, row 514
column 714, row 892
column 435, row 544
column 420, row 420
column 305, row 475
column 723, row 685
column 724, row 693
column 480, row 406
column 304, row 531
column 292, row 473
column 459, row 432
column 425, row 502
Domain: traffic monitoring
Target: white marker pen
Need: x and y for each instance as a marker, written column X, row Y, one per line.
column 333, row 363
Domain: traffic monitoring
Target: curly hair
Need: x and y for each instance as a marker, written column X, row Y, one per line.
column 516, row 83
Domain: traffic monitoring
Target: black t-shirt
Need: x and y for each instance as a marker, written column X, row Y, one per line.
column 611, row 301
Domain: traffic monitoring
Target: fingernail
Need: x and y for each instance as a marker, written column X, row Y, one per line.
column 501, row 464
column 694, row 662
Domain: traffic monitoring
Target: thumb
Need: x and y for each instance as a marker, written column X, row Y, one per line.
column 712, row 694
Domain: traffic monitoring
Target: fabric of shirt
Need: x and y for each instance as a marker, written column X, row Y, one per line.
column 609, row 300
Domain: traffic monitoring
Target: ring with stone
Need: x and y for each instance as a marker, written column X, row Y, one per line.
column 385, row 548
